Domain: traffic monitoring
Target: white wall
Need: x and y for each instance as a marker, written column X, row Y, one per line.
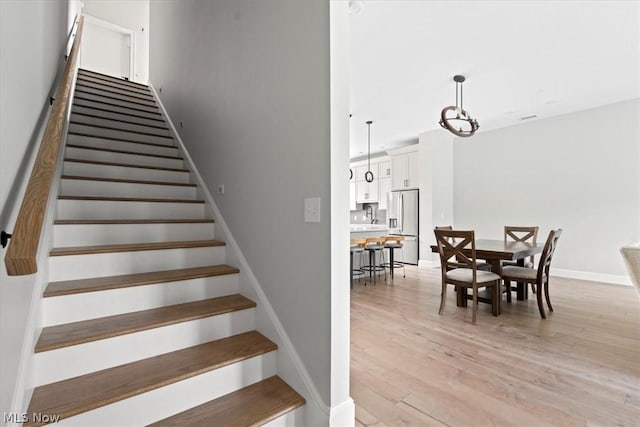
column 342, row 406
column 133, row 15
column 32, row 41
column 436, row 188
column 250, row 83
column 579, row 172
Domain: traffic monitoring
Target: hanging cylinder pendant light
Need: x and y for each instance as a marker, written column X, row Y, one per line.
column 462, row 124
column 368, row 176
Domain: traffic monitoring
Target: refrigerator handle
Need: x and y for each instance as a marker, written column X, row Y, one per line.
column 402, row 204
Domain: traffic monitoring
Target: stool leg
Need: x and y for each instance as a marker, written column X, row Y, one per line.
column 391, row 262
column 372, row 264
column 351, row 270
column 404, row 273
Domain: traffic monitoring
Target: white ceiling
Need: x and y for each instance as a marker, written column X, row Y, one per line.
column 520, row 58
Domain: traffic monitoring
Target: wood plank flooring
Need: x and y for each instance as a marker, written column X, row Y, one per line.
column 410, row 366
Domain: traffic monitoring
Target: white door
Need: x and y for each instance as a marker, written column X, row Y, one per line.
column 106, row 49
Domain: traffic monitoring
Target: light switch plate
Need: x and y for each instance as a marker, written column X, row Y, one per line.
column 312, row 209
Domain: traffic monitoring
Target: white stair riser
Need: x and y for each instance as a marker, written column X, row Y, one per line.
column 129, row 159
column 290, row 419
column 91, row 305
column 113, row 89
column 79, row 187
column 112, row 264
column 87, row 141
column 166, row 401
column 118, row 116
column 65, row 235
column 90, row 209
column 81, row 101
column 116, row 102
column 53, row 365
column 125, row 126
column 124, row 172
column 110, row 133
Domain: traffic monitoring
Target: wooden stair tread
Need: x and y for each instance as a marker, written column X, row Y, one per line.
column 133, row 247
column 68, row 287
column 59, row 336
column 112, row 138
column 127, row 199
column 115, row 90
column 85, row 91
column 83, row 98
column 76, row 122
column 84, row 78
column 134, row 153
column 128, row 181
column 130, row 221
column 254, row 405
column 76, row 395
column 111, row 78
column 95, row 116
column 76, row 104
column 125, row 165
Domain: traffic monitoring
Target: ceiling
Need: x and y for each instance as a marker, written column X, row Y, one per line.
column 520, row 58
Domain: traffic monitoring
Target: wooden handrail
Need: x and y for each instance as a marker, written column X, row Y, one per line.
column 23, row 249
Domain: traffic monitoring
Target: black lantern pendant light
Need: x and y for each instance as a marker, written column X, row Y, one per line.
column 462, row 124
column 368, row 176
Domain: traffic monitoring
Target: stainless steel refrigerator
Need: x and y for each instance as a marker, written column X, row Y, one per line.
column 402, row 213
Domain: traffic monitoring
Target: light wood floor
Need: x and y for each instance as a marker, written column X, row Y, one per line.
column 410, row 366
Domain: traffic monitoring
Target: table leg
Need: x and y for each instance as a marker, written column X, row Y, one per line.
column 461, row 296
column 521, row 286
column 496, row 267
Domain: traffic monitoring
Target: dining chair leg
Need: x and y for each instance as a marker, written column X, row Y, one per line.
column 443, row 298
column 540, row 306
column 475, row 305
column 496, row 294
column 546, row 294
column 508, row 286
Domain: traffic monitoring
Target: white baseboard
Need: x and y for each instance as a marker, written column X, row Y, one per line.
column 319, row 408
column 591, row 276
column 343, row 414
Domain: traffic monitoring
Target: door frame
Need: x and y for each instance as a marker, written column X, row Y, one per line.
column 90, row 19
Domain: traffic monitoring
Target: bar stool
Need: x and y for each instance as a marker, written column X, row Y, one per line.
column 392, row 243
column 375, row 246
column 356, row 248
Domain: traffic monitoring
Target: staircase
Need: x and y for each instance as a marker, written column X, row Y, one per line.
column 142, row 320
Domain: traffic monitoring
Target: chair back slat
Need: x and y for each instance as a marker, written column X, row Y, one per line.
column 520, row 234
column 547, row 254
column 457, row 248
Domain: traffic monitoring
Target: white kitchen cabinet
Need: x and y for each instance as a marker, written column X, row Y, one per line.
column 406, row 172
column 367, row 192
column 360, row 172
column 384, row 188
column 384, row 168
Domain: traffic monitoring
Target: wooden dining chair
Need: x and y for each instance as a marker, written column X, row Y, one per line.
column 459, row 266
column 481, row 265
column 538, row 276
column 514, row 233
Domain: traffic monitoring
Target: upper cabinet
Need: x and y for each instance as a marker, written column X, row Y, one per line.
column 405, row 171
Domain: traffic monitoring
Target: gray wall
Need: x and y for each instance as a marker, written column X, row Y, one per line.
column 250, row 82
column 32, row 38
column 578, row 171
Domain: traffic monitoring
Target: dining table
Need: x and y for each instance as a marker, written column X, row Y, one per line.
column 495, row 252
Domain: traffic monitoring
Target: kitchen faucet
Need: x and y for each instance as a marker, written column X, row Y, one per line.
column 369, row 211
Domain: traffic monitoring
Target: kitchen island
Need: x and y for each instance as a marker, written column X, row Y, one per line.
column 362, row 231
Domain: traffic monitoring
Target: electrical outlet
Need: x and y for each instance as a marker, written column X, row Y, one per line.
column 312, row 209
